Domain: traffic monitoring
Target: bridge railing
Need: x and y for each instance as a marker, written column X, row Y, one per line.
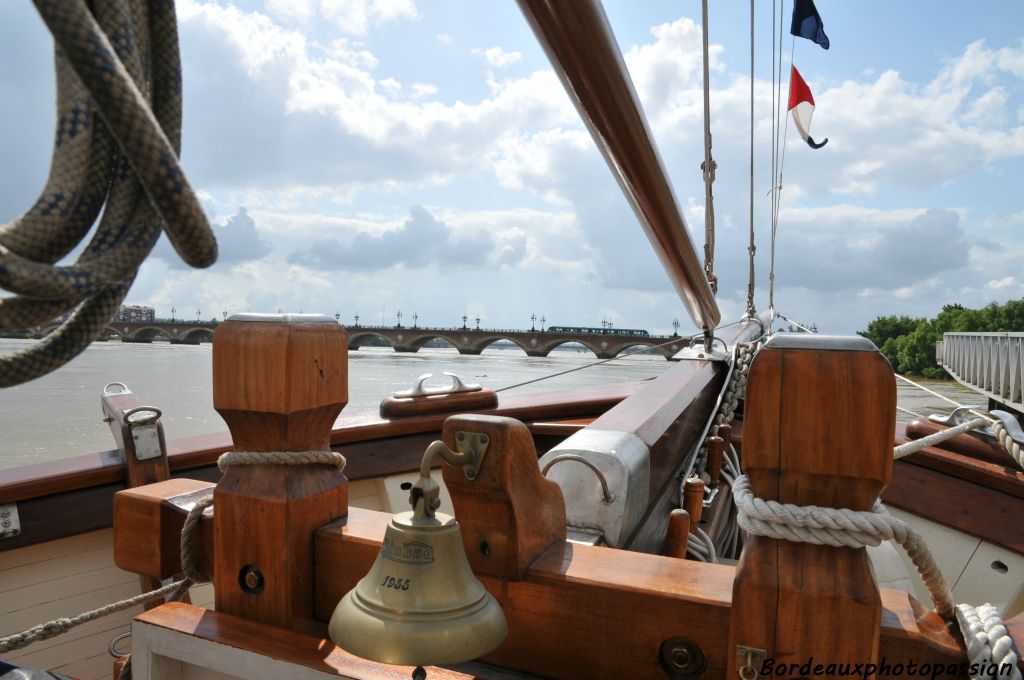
column 990, row 363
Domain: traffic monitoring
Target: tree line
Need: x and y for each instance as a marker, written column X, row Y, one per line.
column 909, row 343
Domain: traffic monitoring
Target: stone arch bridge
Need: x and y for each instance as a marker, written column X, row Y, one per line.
column 604, row 344
column 535, row 343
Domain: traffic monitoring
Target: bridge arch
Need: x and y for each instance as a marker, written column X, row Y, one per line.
column 483, row 343
column 593, row 346
column 194, row 336
column 143, row 334
column 421, row 341
column 357, row 339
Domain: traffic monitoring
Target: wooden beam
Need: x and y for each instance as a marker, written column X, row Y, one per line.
column 147, row 527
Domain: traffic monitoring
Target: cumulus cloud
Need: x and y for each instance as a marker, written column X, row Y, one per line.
column 238, row 241
column 421, row 241
column 497, row 56
column 351, row 16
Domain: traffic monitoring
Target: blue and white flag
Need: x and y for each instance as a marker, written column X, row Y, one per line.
column 807, row 22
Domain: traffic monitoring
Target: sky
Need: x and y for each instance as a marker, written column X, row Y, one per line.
column 375, row 156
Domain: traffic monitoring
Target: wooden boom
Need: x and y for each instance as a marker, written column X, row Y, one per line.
column 583, row 51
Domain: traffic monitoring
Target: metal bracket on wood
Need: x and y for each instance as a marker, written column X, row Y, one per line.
column 750, row 661
column 10, row 525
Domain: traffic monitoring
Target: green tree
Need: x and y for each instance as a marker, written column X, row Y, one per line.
column 909, row 343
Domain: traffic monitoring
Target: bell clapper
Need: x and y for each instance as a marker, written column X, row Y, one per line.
column 419, row 673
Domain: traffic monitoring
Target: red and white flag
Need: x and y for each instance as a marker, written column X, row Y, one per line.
column 801, row 105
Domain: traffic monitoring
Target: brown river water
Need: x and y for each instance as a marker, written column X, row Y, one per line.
column 58, row 415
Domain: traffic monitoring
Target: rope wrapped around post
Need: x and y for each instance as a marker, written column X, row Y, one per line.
column 232, row 458
column 988, row 641
column 840, row 527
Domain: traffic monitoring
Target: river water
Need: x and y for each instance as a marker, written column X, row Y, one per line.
column 59, row 416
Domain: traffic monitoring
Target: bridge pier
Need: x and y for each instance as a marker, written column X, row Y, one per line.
column 178, row 341
column 141, row 341
column 407, row 350
column 536, row 353
column 469, row 350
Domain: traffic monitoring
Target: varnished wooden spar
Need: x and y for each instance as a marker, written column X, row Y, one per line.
column 667, row 415
column 818, row 430
column 583, row 51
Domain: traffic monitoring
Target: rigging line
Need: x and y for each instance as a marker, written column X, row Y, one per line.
column 751, row 249
column 690, row 339
column 908, row 412
column 598, row 363
column 942, row 397
column 708, row 166
column 777, row 170
column 775, row 127
column 785, row 132
column 800, row 326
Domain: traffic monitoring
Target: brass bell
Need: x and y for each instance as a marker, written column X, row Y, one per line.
column 420, row 604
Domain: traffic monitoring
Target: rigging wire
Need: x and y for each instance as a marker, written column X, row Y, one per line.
column 687, row 339
column 751, row 249
column 708, row 166
column 777, row 183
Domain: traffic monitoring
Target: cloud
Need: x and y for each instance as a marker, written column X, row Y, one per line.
column 292, row 113
column 497, row 57
column 238, row 241
column 351, row 16
column 421, row 241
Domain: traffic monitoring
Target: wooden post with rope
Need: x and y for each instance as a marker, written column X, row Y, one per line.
column 279, row 382
column 818, row 430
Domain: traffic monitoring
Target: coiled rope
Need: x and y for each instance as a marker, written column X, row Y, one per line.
column 987, row 638
column 115, row 151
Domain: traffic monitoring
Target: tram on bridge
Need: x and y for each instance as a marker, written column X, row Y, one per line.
column 584, row 330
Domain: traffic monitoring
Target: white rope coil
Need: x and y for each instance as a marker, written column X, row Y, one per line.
column 989, row 645
column 840, row 527
column 281, row 458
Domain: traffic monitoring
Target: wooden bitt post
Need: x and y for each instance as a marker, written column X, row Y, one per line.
column 678, row 533
column 279, row 382
column 818, row 430
column 509, row 514
column 716, row 449
column 693, row 501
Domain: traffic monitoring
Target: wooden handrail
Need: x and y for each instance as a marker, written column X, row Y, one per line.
column 580, row 44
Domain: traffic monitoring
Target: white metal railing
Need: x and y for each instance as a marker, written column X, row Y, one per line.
column 990, row 363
